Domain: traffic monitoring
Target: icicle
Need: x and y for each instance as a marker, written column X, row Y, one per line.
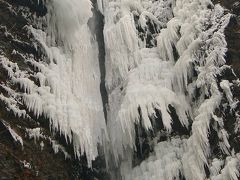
column 168, row 39
column 68, row 93
column 14, row 135
column 225, row 85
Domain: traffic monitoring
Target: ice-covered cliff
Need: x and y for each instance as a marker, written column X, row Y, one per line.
column 143, row 84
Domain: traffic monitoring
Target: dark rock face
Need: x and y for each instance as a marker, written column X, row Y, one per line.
column 233, row 59
column 43, row 164
column 232, row 34
column 232, row 5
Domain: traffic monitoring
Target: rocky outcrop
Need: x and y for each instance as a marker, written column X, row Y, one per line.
column 232, row 34
column 27, row 161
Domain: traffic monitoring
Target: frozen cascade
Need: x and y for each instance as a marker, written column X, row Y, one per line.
column 73, row 101
column 189, row 56
column 137, row 77
column 163, row 62
column 165, row 163
column 69, row 76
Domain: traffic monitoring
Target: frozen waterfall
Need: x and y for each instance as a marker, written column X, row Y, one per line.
column 163, row 61
column 69, row 76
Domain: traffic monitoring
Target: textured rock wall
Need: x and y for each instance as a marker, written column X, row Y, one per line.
column 42, row 164
column 232, row 34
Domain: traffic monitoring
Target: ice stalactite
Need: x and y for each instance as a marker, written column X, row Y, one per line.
column 70, row 96
column 68, row 93
column 182, row 71
column 209, row 65
column 13, row 134
column 138, row 81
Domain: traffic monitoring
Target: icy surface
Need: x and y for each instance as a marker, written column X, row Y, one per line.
column 160, row 55
column 68, row 93
column 148, row 87
column 165, row 164
column 188, row 58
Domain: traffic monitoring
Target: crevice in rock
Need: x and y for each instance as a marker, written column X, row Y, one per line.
column 96, row 23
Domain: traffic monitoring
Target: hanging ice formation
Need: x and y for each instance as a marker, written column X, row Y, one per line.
column 68, row 92
column 181, row 72
column 164, row 61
